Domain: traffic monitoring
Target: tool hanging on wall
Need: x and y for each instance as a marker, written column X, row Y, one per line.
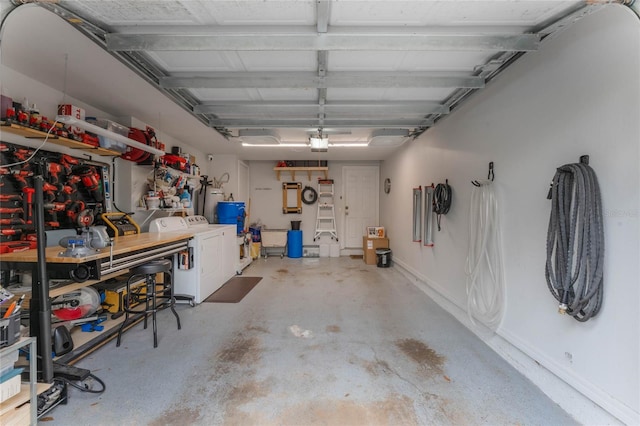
column 417, row 214
column 441, row 200
column 309, row 195
column 575, row 241
column 428, row 216
column 286, row 186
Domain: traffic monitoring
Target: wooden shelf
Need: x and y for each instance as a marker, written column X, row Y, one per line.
column 30, row 133
column 19, row 399
column 66, row 288
column 309, row 170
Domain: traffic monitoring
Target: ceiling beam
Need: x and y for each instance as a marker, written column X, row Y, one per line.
column 310, row 80
column 322, row 15
column 306, row 123
column 323, row 61
column 306, row 115
column 333, row 41
column 386, row 107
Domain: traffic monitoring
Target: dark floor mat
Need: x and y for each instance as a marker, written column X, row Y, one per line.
column 356, row 256
column 234, row 290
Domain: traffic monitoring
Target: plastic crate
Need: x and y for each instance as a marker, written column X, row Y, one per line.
column 114, row 127
column 9, row 329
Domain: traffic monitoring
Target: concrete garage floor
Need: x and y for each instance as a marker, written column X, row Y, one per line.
column 327, row 341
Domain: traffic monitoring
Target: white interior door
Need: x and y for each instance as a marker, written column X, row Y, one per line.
column 243, row 182
column 361, row 186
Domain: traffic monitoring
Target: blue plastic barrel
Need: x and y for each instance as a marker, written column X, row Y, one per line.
column 294, row 244
column 231, row 212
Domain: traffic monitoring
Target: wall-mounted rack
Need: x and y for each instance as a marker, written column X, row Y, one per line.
column 67, row 119
column 309, row 170
column 29, row 133
column 297, row 187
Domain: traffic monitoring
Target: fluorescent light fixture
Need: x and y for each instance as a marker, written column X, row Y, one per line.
column 304, row 145
column 349, row 145
column 319, row 144
column 279, row 145
column 67, row 119
column 258, row 137
column 388, row 137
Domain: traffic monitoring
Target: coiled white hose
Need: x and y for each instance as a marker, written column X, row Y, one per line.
column 484, row 269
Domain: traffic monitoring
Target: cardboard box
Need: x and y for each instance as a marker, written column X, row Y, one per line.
column 75, row 112
column 369, row 246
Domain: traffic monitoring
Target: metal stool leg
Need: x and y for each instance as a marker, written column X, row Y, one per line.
column 147, row 284
column 126, row 309
column 172, row 298
column 154, row 310
column 151, row 304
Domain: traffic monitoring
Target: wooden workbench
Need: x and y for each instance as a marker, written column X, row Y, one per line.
column 122, row 245
column 104, row 265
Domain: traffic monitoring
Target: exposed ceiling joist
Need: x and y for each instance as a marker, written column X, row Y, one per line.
column 304, row 122
column 389, row 64
column 309, row 115
column 252, row 107
column 334, row 41
column 322, row 12
column 323, row 59
column 310, row 80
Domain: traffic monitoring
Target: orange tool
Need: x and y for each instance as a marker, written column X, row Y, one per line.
column 12, row 306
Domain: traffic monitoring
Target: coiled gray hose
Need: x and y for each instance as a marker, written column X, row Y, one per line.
column 441, row 200
column 575, row 242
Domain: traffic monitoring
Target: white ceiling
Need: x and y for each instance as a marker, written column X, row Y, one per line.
column 350, row 68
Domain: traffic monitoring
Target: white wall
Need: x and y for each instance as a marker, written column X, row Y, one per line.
column 266, row 198
column 579, row 94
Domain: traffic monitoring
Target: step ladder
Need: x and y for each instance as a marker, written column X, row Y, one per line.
column 326, row 217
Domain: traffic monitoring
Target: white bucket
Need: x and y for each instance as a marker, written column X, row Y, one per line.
column 153, row 203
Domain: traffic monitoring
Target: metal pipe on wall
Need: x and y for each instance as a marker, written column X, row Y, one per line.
column 42, row 302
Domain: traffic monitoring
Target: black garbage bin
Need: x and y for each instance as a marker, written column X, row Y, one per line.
column 295, row 225
column 384, row 257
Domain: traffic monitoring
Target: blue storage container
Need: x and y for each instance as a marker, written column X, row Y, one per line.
column 231, row 212
column 294, row 244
